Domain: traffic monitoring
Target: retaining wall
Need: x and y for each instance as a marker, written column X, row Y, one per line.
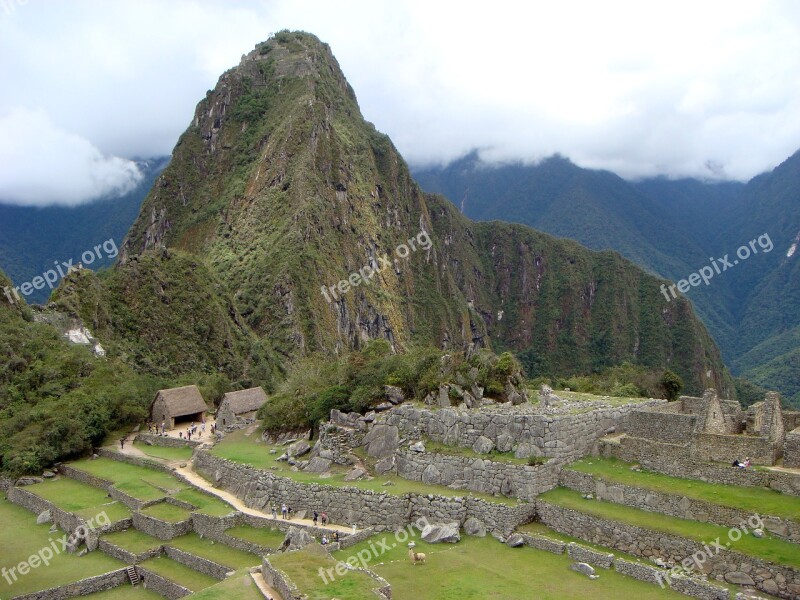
column 163, row 530
column 198, row 563
column 478, row 474
column 350, row 505
column 280, row 582
column 127, row 556
column 774, row 579
column 161, row 585
column 791, row 450
column 674, row 505
column 90, row 585
column 167, row 441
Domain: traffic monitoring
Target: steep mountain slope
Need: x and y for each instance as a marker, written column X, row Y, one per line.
column 279, row 191
column 671, row 228
column 32, row 239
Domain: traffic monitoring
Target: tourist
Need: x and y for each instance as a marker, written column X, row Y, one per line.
column 163, row 427
column 746, row 461
column 290, row 511
column 316, row 516
column 284, row 511
column 335, row 536
column 274, row 512
column 324, row 540
column 324, row 519
column 121, row 443
column 736, row 463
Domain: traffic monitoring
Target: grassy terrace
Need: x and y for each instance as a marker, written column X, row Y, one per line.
column 302, row 567
column 267, row 536
column 754, row 500
column 151, row 484
column 79, row 498
column 214, row 551
column 180, row 574
column 133, row 540
column 166, row 512
column 125, row 592
column 250, row 450
column 769, row 548
column 21, row 537
column 178, row 454
column 236, row 587
column 478, row 568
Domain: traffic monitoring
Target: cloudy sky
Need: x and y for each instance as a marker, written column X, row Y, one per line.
column 704, row 89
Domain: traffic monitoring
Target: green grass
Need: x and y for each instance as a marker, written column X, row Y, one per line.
column 215, row 551
column 754, row 500
column 264, row 536
column 125, row 592
column 250, row 450
column 236, row 587
column 20, row 538
column 478, row 568
column 167, row 453
column 302, row 567
column 79, row 498
column 504, row 457
column 140, row 482
column 205, row 503
column 180, row 574
column 133, row 540
column 166, row 512
column 769, row 548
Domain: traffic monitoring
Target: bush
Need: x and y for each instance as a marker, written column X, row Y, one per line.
column 672, row 385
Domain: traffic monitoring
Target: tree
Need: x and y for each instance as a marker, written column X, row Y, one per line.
column 672, row 384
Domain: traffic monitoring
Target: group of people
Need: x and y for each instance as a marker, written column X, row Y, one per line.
column 155, row 429
column 741, row 464
column 192, row 429
column 323, row 518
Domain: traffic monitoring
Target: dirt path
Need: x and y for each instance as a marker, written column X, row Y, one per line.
column 264, row 587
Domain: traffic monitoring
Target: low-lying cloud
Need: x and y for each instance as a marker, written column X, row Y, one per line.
column 44, row 165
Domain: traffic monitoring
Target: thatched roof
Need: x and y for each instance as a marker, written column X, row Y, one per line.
column 182, row 401
column 245, row 400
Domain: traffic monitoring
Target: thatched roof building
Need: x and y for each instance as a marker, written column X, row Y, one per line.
column 240, row 408
column 182, row 404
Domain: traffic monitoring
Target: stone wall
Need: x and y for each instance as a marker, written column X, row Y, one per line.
column 589, row 555
column 725, row 448
column 791, row 419
column 127, row 556
column 673, row 505
column 161, row 585
column 791, row 449
column 662, row 423
column 478, row 474
column 277, row 580
column 162, row 530
column 673, row 460
column 339, row 441
column 203, row 565
column 83, row 587
column 350, row 505
column 774, row 579
column 167, row 441
column 139, row 461
column 557, row 436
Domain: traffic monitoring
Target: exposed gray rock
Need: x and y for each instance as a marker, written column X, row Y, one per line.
column 355, row 474
column 318, row 465
column 473, row 526
column 417, row 447
column 515, row 541
column 29, row 480
column 443, row 398
column 505, row 443
column 385, row 465
column 434, row 533
column 383, row 406
column 739, row 578
column 44, row 517
column 431, row 475
column 296, row 538
column 48, row 474
column 585, row 569
column 382, row 441
column 759, row 533
column 394, row 394
column 483, row 445
column 299, row 448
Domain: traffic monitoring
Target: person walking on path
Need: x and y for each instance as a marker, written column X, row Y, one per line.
column 316, row 516
column 274, row 512
column 284, row 511
column 324, row 518
column 121, row 443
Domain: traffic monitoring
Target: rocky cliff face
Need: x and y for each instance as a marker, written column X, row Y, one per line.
column 310, row 222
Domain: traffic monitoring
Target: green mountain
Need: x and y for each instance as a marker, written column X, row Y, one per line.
column 672, row 228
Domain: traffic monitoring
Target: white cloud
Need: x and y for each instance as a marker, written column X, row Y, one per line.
column 641, row 88
column 44, row 165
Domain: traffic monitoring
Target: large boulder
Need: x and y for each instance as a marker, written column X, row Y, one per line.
column 355, row 474
column 296, row 538
column 44, row 517
column 385, row 465
column 394, row 394
column 417, row 447
column 299, row 448
column 483, row 445
column 473, row 526
column 584, row 568
column 431, row 475
column 318, row 465
column 382, row 441
column 515, row 540
column 434, row 533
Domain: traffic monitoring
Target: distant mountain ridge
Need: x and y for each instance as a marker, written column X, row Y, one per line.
column 673, row 228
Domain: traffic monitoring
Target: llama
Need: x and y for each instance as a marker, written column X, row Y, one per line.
column 416, row 557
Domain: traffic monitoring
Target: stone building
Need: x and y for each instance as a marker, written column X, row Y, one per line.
column 238, row 409
column 178, row 405
column 711, row 428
